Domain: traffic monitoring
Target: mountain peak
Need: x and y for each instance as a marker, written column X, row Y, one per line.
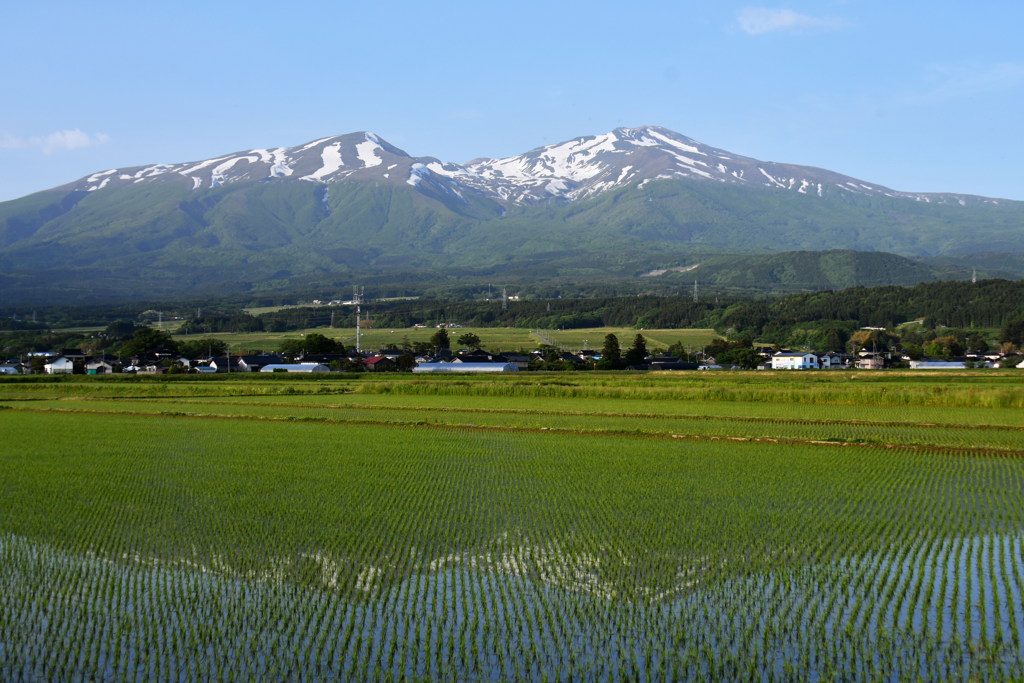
column 582, row 167
column 354, row 203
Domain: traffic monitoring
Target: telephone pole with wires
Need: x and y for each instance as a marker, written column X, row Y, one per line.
column 357, row 299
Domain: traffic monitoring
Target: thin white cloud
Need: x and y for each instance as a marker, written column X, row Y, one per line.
column 58, row 141
column 756, row 21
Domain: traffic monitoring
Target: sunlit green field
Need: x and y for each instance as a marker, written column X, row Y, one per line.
column 503, row 338
column 592, row 526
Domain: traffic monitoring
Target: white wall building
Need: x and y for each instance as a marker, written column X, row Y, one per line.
column 465, row 367
column 60, row 366
column 794, row 361
column 295, row 367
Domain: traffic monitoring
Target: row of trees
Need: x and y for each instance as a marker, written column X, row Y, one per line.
column 827, row 316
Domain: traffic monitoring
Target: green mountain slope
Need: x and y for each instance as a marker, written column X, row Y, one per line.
column 159, row 239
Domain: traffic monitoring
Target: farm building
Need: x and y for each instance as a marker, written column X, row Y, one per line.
column 60, row 366
column 465, row 367
column 295, row 367
column 98, row 367
column 937, row 365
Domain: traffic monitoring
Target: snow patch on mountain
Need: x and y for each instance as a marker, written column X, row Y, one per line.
column 331, row 156
column 367, row 153
column 200, row 166
column 566, row 171
column 96, row 176
column 279, row 163
column 217, row 174
column 416, row 174
column 313, row 144
column 676, row 143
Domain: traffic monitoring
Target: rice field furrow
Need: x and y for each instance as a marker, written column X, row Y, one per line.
column 282, row 537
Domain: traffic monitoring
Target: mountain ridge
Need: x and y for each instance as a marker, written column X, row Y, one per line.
column 355, row 207
column 573, row 169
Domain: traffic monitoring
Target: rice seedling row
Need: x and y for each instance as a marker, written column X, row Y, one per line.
column 241, row 549
column 941, row 436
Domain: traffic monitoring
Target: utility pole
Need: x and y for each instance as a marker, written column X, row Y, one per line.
column 357, row 299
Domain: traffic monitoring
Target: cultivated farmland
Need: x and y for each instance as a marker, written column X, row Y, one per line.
column 507, row 338
column 572, row 526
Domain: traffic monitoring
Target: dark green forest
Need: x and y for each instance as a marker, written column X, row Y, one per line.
column 820, row 320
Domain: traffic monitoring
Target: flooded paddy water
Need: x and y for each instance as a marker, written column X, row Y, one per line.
column 946, row 610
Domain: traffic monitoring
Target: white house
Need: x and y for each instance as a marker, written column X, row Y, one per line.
column 786, row 360
column 829, row 361
column 60, row 366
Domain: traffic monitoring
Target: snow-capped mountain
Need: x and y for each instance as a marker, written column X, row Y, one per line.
column 590, row 165
column 629, row 202
column 579, row 168
column 327, row 160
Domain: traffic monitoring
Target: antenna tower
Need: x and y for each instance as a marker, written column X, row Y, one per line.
column 695, row 291
column 504, row 298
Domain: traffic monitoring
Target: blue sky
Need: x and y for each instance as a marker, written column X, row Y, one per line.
column 918, row 96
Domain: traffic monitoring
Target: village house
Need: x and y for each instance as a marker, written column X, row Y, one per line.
column 791, row 360
column 379, row 364
column 870, row 361
column 227, row 364
column 98, row 367
column 253, row 363
column 830, row 361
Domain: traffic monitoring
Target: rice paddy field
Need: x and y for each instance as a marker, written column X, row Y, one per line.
column 593, row 526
